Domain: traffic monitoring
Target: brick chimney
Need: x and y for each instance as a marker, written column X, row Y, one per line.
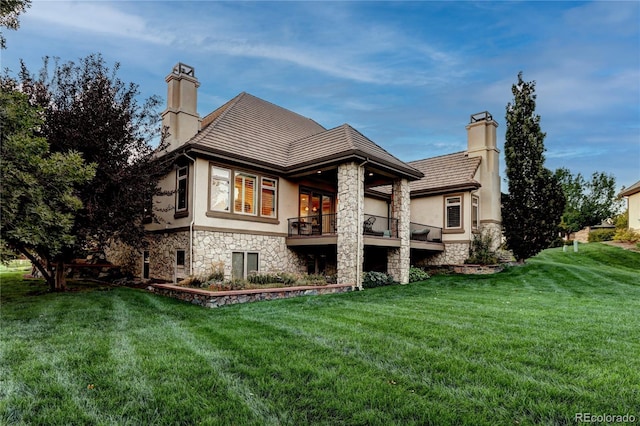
column 481, row 142
column 181, row 115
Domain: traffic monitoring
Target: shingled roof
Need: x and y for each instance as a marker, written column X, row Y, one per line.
column 633, row 189
column 342, row 142
column 250, row 128
column 445, row 173
column 253, row 130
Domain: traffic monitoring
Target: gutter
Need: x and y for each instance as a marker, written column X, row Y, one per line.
column 193, row 213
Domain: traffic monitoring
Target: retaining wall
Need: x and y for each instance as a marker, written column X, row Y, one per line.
column 214, row 299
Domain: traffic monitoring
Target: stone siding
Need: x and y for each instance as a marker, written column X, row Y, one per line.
column 216, row 299
column 399, row 260
column 214, row 247
column 453, row 254
column 162, row 255
column 350, row 216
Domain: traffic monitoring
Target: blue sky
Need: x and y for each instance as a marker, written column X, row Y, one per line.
column 407, row 75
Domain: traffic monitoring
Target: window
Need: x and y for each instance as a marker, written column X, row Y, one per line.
column 181, row 189
column 180, row 258
column 268, row 198
column 244, row 194
column 250, row 195
column 145, row 264
column 219, row 189
column 453, row 209
column 243, row 264
column 475, row 212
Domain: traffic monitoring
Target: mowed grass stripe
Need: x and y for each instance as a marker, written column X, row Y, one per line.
column 532, row 345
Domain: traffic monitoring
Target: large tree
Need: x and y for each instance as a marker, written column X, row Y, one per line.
column 88, row 109
column 589, row 202
column 9, row 12
column 38, row 189
column 533, row 207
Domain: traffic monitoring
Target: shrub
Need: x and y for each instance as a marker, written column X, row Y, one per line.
column 263, row 279
column 216, row 272
column 376, row 279
column 313, row 279
column 480, row 251
column 598, row 235
column 417, row 274
column 627, row 235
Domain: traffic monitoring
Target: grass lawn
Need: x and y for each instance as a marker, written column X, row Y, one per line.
column 532, row 345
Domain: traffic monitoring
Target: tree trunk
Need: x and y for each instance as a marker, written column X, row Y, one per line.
column 60, row 281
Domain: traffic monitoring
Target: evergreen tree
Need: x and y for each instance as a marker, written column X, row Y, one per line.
column 533, row 207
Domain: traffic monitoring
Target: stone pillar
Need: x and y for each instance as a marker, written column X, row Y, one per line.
column 350, row 216
column 399, row 259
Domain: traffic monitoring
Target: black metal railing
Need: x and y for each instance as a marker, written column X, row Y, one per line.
column 312, row 225
column 380, row 226
column 427, row 233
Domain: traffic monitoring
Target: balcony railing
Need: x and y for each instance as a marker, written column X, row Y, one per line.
column 427, row 233
column 379, row 226
column 312, row 225
column 375, row 226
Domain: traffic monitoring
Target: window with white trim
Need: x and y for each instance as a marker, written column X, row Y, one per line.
column 244, row 193
column 219, row 194
column 243, row 264
column 475, row 212
column 182, row 184
column 268, row 197
column 453, row 212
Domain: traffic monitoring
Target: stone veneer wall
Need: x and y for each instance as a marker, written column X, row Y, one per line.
column 211, row 247
column 350, row 216
column 453, row 254
column 399, row 259
column 216, row 299
column 495, row 230
column 162, row 254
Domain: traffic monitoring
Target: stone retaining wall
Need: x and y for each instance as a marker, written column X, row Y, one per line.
column 210, row 299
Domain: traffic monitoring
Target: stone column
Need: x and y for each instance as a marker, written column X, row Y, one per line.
column 350, row 216
column 399, row 259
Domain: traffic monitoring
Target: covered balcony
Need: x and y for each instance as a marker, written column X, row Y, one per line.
column 425, row 237
column 377, row 231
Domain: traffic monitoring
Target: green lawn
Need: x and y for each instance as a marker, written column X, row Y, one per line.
column 532, row 345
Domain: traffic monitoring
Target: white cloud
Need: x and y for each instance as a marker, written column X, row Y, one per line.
column 93, row 17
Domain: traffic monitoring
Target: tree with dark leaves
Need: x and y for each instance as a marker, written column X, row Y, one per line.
column 88, row 109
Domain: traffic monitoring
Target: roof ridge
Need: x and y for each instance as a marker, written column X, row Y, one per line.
column 438, row 156
column 347, row 133
column 283, row 108
column 227, row 107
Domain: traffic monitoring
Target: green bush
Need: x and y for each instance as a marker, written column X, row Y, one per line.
column 377, row 279
column 627, row 235
column 480, row 251
column 417, row 274
column 263, row 279
column 598, row 235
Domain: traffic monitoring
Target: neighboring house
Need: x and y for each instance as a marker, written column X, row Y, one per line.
column 259, row 188
column 633, row 204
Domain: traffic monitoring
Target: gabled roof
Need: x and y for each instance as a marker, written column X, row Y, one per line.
column 250, row 128
column 340, row 143
column 445, row 173
column 253, row 130
column 633, row 189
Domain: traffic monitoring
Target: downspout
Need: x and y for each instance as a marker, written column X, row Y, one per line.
column 359, row 253
column 193, row 213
